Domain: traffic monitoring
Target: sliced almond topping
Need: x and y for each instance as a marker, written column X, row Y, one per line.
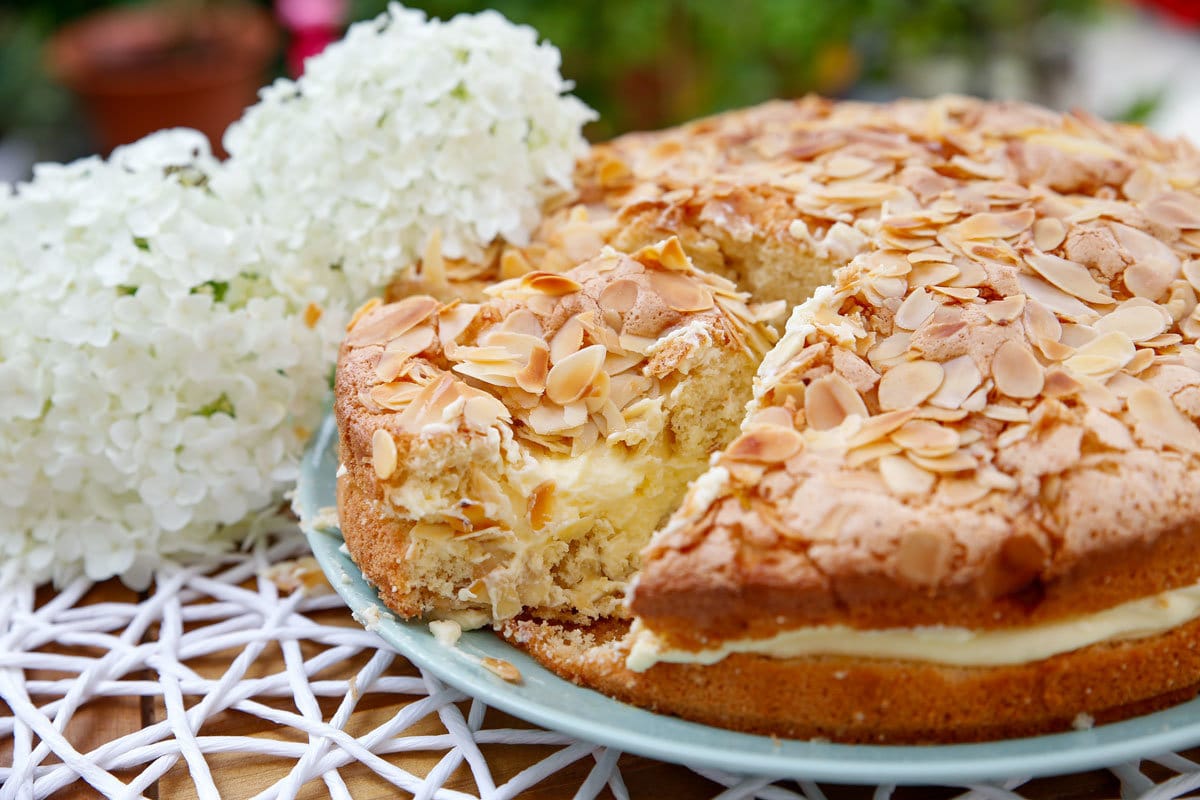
column 916, row 308
column 970, row 274
column 413, row 341
column 567, row 340
column 995, row 226
column 927, row 438
column 383, row 454
column 956, row 292
column 482, row 411
column 1163, row 340
column 1016, row 370
column 879, row 426
column 681, row 293
column 389, row 366
column 362, row 311
column 829, row 400
column 433, row 266
column 540, row 504
column 961, row 378
column 1102, row 356
column 393, row 396
column 886, row 350
column 570, row 379
column 908, row 384
column 1006, row 310
column 772, row 415
column 1155, row 265
column 1140, row 361
column 957, row 461
column 513, row 264
column 1060, row 383
column 766, row 445
column 1137, row 318
column 904, row 478
column 522, row 321
column 636, row 344
column 453, row 321
column 931, row 274
column 923, row 557
column 1154, row 410
column 1072, row 278
column 961, row 491
column 551, row 284
column 1191, row 271
column 1013, row 435
column 619, row 296
column 861, row 456
column 387, row 322
column 1055, row 299
column 668, row 253
column 1049, row 233
column 1006, row 413
column 847, row 166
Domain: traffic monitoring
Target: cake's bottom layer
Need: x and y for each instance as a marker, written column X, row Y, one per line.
column 860, row 700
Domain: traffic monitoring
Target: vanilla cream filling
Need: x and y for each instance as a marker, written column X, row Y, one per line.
column 964, row 647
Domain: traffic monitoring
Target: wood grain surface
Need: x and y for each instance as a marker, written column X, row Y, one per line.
column 241, row 776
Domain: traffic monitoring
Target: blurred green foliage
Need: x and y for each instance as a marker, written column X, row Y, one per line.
column 648, row 63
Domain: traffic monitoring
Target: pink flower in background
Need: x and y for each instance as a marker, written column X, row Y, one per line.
column 313, row 24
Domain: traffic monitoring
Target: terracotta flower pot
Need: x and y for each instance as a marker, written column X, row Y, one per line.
column 141, row 69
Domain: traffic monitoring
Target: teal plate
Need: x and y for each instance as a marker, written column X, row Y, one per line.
column 547, row 700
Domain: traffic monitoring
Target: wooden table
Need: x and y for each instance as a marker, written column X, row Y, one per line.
column 238, row 776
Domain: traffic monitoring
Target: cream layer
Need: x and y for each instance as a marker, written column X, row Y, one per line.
column 1136, row 619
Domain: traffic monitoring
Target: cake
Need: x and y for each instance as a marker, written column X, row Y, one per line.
column 962, row 500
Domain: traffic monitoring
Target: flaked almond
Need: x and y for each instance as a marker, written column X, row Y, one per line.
column 1013, row 435
column 1158, row 414
column 482, row 411
column 829, row 400
column 927, row 438
column 541, row 504
column 619, row 296
column 522, row 321
column 1006, row 413
column 961, row 491
column 1141, row 361
column 1102, row 356
column 1006, row 310
column 1072, row 278
column 1138, row 318
column 958, row 461
column 567, row 340
column 681, row 293
column 970, row 274
column 916, row 309
column 636, row 344
column 904, row 478
column 390, row 365
column 1191, row 271
column 766, row 445
column 879, row 426
column 362, row 311
column 413, row 341
column 932, row 274
column 1016, row 370
column 668, row 253
column 383, row 454
column 865, row 454
column 501, row 668
column 1055, row 299
column 394, row 396
column 453, row 321
column 1049, row 233
column 909, row 384
column 551, row 284
column 433, row 266
column 513, row 264
column 924, row 556
column 1154, row 267
column 1173, row 210
column 771, row 415
column 570, row 378
column 841, row 166
column 887, row 350
column 960, row 378
column 387, row 322
column 1060, row 383
column 1163, row 340
column 988, row 225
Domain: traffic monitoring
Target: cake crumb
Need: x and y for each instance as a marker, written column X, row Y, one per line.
column 325, row 519
column 371, row 617
column 446, row 631
column 303, row 574
column 1083, row 721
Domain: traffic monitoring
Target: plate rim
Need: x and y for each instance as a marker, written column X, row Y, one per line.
column 859, row 764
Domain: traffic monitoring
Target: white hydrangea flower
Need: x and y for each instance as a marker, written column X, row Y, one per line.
column 168, row 323
column 155, row 389
column 405, row 127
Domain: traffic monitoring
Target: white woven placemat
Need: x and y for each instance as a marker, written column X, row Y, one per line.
column 207, row 609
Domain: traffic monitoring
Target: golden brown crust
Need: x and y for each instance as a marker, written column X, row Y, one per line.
column 877, row 701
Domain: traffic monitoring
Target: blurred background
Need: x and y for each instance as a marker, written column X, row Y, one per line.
column 81, row 76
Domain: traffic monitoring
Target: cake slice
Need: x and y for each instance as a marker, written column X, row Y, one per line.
column 516, row 454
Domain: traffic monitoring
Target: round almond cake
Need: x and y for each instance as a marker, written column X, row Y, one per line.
column 955, row 498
